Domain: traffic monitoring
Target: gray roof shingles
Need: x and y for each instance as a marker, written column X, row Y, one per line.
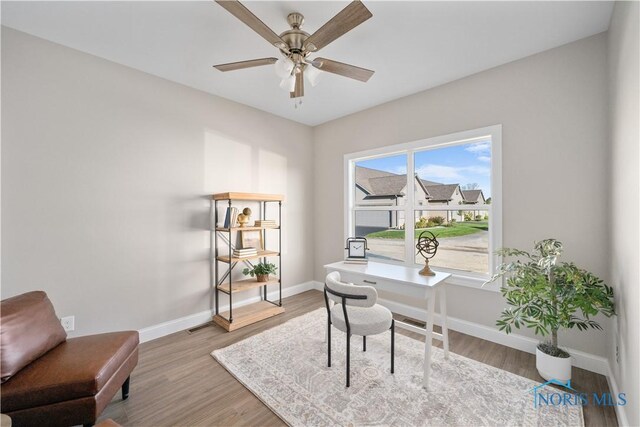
column 442, row 192
column 379, row 183
column 472, row 196
column 364, row 175
column 388, row 185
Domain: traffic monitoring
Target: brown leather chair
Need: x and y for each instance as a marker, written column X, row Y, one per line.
column 48, row 380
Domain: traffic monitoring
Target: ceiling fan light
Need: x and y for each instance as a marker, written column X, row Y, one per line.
column 288, row 83
column 312, row 74
column 284, row 67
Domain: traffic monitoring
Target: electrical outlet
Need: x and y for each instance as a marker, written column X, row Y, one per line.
column 68, row 323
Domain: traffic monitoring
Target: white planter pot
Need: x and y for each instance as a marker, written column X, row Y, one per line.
column 550, row 367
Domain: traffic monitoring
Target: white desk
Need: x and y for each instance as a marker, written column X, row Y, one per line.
column 404, row 281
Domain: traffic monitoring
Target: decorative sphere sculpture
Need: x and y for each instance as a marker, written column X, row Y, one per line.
column 427, row 247
column 243, row 218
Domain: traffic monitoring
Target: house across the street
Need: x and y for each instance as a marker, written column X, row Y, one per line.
column 380, row 188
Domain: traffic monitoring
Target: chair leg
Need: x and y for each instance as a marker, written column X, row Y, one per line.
column 329, row 343
column 125, row 388
column 393, row 342
column 348, row 359
column 364, row 343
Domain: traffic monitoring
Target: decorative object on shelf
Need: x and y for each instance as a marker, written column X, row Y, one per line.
column 546, row 297
column 261, row 271
column 230, row 217
column 357, row 250
column 252, row 239
column 296, row 45
column 265, row 223
column 234, row 218
column 227, row 255
column 245, row 252
column 427, row 247
column 243, row 218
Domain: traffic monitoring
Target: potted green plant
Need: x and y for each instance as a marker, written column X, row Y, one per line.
column 547, row 296
column 261, row 271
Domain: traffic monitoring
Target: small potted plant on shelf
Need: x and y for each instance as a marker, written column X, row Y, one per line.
column 547, row 296
column 261, row 271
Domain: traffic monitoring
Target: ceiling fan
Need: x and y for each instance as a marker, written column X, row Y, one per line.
column 296, row 45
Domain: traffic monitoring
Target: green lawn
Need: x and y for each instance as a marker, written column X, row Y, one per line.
column 459, row 229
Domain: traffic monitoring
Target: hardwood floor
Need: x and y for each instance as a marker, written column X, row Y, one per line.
column 178, row 383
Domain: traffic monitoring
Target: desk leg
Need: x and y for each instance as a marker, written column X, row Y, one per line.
column 443, row 315
column 428, row 343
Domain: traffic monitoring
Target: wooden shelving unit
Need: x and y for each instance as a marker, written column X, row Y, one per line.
column 250, row 228
column 245, row 285
column 261, row 254
column 249, row 197
column 247, row 315
column 236, row 318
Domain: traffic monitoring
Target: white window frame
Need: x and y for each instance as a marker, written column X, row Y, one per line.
column 459, row 277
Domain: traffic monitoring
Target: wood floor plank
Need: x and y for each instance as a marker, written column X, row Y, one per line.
column 178, row 383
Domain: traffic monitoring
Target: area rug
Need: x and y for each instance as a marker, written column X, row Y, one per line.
column 286, row 368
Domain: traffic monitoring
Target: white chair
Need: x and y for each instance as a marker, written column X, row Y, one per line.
column 362, row 317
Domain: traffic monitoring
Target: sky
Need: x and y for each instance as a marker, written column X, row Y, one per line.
column 458, row 164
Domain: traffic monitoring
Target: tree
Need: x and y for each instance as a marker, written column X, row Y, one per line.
column 471, row 186
column 488, row 201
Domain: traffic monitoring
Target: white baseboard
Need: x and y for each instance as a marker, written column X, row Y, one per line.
column 176, row 325
column 621, row 412
column 165, row 328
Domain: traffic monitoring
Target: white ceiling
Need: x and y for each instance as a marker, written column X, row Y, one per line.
column 412, row 46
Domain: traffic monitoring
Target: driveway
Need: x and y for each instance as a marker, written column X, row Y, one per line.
column 468, row 252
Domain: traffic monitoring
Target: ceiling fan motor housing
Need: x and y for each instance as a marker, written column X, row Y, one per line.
column 294, row 37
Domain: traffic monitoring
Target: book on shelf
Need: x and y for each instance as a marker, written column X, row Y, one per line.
column 231, row 218
column 265, row 223
column 227, row 218
column 234, row 217
column 245, row 252
column 355, row 260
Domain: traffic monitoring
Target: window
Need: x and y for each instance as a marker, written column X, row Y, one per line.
column 379, row 199
column 452, row 190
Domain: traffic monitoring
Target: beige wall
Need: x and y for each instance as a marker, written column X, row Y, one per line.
column 624, row 73
column 553, row 110
column 105, row 177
